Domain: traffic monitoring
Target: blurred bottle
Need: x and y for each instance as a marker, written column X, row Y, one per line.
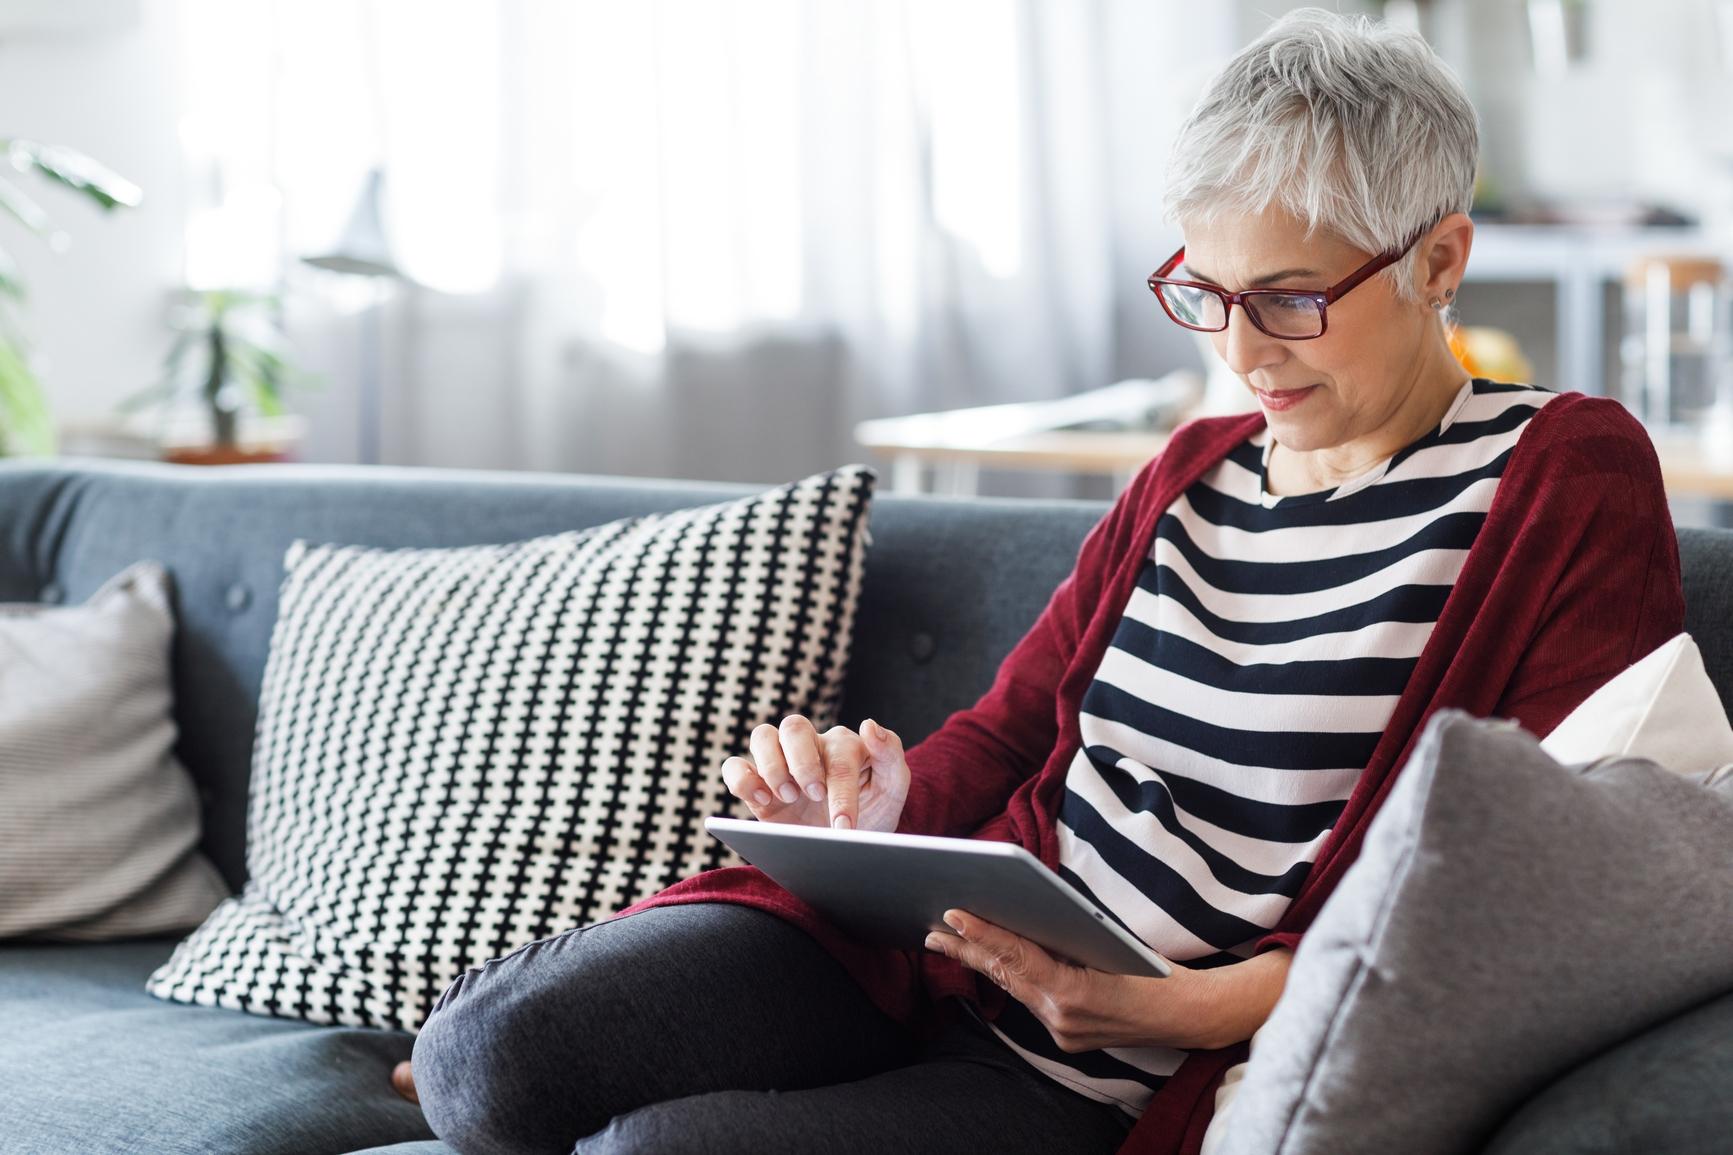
column 1678, row 329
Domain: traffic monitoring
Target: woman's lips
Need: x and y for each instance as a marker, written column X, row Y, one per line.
column 1283, row 398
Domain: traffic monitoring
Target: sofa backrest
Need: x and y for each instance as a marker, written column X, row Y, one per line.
column 950, row 584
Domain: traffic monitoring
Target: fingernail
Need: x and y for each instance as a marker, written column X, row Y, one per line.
column 935, row 941
column 954, row 922
column 869, row 729
column 841, row 822
column 815, row 791
column 788, row 792
column 762, row 797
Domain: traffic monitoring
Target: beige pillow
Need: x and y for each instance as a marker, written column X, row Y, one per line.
column 1663, row 708
column 99, row 824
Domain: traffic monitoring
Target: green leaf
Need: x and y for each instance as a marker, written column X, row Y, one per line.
column 11, row 284
column 260, row 372
column 171, row 363
column 21, row 207
column 77, row 172
column 220, row 301
column 168, row 383
column 270, row 403
column 26, row 426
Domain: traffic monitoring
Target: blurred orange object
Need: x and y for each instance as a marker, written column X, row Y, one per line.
column 1489, row 352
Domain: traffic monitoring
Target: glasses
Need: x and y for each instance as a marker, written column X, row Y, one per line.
column 1287, row 314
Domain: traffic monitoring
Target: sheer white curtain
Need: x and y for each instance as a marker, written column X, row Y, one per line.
column 697, row 237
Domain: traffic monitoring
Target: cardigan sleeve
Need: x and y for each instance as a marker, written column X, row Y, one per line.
column 1620, row 594
column 964, row 772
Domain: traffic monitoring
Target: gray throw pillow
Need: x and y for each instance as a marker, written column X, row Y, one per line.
column 99, row 824
column 1508, row 918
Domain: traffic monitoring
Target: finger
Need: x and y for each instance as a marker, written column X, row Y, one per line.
column 800, row 748
column 1000, row 971
column 975, row 929
column 766, row 746
column 745, row 784
column 844, row 755
column 1010, row 960
column 889, row 765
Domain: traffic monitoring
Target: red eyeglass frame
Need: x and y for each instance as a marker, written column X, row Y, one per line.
column 1324, row 298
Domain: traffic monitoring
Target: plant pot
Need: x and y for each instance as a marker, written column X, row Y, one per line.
column 260, row 440
column 221, row 455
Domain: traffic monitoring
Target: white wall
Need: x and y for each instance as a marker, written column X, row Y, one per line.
column 1644, row 117
column 97, row 311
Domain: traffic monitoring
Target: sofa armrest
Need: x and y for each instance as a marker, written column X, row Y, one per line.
column 1662, row 1090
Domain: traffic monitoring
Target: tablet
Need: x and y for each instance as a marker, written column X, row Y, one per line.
column 894, row 888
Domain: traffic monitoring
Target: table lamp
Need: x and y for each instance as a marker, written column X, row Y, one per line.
column 364, row 251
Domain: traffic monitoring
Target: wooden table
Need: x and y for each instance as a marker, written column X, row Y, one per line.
column 1690, row 470
column 1686, row 469
column 956, row 468
column 1047, row 435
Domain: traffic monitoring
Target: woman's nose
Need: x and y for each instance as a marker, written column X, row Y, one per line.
column 1245, row 347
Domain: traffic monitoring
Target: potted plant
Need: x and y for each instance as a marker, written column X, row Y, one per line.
column 26, row 426
column 228, row 360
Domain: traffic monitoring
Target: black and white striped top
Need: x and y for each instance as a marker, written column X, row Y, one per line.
column 1255, row 668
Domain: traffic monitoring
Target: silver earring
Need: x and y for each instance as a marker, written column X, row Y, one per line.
column 1436, row 303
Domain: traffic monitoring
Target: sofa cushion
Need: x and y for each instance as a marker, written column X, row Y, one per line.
column 1664, row 1090
column 99, row 822
column 1500, row 926
column 1662, row 707
column 94, row 1064
column 1706, row 569
column 461, row 751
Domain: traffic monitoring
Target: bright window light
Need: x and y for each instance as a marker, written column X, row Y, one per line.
column 967, row 53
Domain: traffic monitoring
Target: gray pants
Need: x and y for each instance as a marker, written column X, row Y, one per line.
column 716, row 1028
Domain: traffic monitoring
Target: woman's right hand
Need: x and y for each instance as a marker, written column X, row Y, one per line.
column 838, row 778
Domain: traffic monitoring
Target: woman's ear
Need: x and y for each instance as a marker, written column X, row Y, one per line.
column 1443, row 255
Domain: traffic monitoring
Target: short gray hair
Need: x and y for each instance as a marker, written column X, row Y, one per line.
column 1353, row 127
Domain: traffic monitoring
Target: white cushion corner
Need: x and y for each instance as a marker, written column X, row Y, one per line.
column 1663, row 707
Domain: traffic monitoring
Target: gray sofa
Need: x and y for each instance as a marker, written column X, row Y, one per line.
column 90, row 1064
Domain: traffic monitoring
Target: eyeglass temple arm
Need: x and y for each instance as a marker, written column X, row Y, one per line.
column 1376, row 264
column 1365, row 271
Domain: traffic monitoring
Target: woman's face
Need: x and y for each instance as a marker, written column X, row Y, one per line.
column 1332, row 389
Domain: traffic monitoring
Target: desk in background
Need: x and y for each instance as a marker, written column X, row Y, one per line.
column 955, row 458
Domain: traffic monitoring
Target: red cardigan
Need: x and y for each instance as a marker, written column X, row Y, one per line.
column 1575, row 574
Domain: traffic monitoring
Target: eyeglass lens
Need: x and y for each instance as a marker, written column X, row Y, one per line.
column 1283, row 314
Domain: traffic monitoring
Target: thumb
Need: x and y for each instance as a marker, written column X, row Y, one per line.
column 890, row 767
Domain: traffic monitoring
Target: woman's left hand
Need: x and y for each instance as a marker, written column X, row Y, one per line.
column 1086, row 1009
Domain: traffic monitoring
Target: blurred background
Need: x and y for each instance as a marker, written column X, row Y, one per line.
column 750, row 239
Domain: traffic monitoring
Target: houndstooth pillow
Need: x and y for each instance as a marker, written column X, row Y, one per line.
column 463, row 750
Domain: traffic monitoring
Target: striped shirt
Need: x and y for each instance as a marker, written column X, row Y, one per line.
column 1255, row 668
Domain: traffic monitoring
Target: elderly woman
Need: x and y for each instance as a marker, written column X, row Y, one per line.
column 1194, row 733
